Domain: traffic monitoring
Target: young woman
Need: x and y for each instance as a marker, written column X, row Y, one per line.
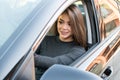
column 68, row 46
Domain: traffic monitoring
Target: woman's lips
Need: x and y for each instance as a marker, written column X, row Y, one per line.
column 63, row 32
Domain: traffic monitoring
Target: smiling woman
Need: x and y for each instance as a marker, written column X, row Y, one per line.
column 68, row 46
column 64, row 28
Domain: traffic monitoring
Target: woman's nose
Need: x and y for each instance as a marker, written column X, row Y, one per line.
column 65, row 26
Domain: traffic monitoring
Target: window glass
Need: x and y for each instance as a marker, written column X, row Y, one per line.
column 106, row 11
column 80, row 5
column 109, row 18
column 12, row 14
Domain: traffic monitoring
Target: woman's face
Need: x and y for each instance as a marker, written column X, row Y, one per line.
column 64, row 28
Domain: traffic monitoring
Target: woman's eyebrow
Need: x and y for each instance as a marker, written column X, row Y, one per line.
column 61, row 19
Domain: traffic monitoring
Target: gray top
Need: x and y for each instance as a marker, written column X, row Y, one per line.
column 53, row 51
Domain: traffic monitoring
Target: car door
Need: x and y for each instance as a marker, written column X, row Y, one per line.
column 111, row 19
column 99, row 41
column 25, row 21
column 37, row 28
column 104, row 16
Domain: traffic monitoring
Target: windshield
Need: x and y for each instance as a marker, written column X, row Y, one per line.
column 12, row 13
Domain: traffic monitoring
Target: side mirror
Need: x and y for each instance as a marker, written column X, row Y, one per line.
column 62, row 72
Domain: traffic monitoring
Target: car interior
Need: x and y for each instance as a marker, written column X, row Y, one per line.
column 83, row 9
column 53, row 30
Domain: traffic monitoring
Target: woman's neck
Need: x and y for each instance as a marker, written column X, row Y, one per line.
column 66, row 39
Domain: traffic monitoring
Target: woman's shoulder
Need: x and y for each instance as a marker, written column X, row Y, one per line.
column 78, row 48
column 48, row 38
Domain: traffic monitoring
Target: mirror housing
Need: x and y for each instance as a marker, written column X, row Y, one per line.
column 62, row 72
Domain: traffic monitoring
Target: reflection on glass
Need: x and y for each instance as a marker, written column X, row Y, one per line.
column 12, row 13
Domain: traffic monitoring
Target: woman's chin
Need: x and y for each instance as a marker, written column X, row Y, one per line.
column 64, row 37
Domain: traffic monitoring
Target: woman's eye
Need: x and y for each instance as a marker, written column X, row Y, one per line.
column 60, row 22
column 69, row 24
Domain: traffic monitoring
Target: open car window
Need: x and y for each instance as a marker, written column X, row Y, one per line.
column 53, row 30
column 82, row 7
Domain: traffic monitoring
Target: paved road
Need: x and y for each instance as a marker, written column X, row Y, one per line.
column 115, row 63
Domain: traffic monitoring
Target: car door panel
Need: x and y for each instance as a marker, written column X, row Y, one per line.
column 95, row 61
column 114, row 63
column 24, row 70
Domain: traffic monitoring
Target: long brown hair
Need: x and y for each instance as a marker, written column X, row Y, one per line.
column 77, row 23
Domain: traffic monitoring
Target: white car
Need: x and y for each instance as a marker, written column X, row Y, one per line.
column 25, row 23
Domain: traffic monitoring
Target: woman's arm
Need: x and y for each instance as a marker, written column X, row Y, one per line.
column 66, row 59
column 44, row 61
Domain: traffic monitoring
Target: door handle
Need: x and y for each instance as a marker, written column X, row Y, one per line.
column 107, row 73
